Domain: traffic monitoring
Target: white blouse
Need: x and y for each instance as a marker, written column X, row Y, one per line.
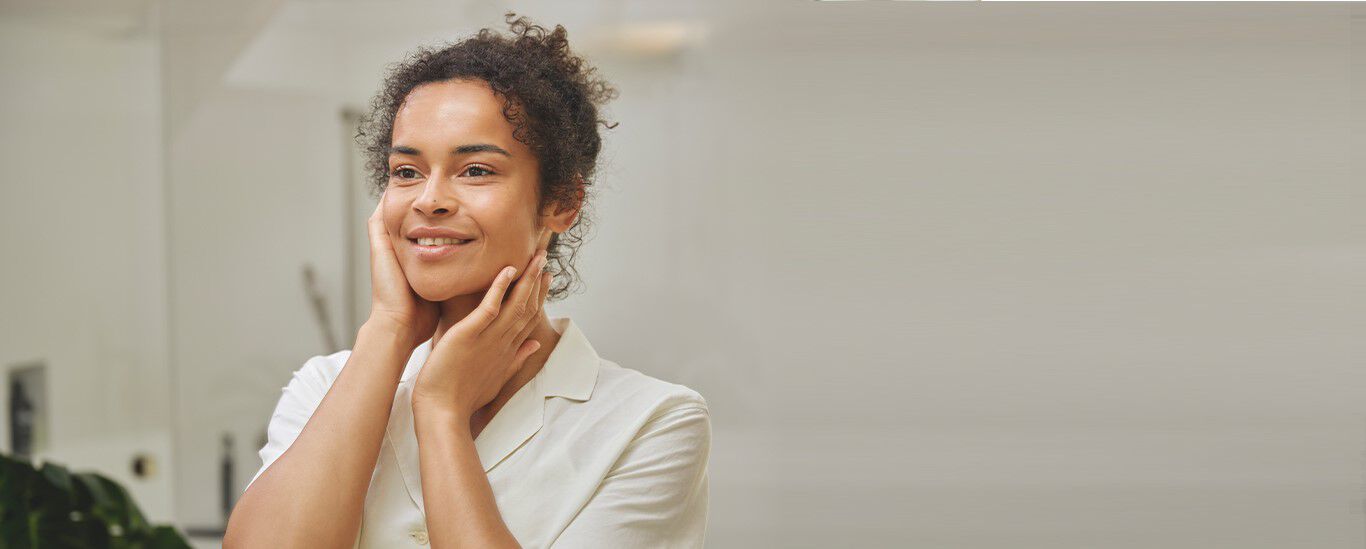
column 586, row 454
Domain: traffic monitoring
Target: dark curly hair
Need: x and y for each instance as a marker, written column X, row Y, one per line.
column 550, row 96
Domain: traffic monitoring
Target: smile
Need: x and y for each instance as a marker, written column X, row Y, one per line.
column 437, row 248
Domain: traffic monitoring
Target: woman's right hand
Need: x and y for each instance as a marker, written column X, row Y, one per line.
column 392, row 300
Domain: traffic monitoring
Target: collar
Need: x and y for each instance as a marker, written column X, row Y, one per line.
column 570, row 372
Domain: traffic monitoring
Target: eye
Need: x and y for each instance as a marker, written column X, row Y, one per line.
column 482, row 169
column 401, row 170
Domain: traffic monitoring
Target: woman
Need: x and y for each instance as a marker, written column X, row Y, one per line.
column 464, row 416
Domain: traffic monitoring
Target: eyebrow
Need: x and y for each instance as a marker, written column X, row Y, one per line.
column 463, row 149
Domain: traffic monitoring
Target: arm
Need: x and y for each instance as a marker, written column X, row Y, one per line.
column 468, row 366
column 313, row 494
column 454, row 486
column 656, row 494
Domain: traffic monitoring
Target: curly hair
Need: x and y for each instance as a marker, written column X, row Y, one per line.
column 550, row 96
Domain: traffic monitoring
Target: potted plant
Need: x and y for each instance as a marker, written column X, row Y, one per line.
column 50, row 506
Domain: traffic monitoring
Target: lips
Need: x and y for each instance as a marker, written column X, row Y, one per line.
column 439, row 251
column 438, row 232
column 438, row 241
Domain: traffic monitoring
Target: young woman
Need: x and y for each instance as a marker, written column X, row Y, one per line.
column 464, row 416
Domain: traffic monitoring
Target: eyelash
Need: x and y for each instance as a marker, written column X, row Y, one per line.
column 395, row 171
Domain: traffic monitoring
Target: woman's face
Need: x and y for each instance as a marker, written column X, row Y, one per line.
column 455, row 165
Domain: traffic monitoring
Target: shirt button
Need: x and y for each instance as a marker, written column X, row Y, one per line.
column 420, row 536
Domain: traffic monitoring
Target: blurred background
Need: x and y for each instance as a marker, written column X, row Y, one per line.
column 948, row 274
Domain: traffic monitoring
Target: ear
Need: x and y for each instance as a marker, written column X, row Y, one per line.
column 560, row 217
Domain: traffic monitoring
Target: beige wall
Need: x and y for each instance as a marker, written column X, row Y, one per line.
column 83, row 287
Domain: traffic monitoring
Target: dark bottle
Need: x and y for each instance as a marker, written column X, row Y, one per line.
column 21, row 420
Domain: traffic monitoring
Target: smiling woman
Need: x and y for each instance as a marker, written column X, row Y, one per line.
column 455, row 171
column 464, row 416
column 547, row 96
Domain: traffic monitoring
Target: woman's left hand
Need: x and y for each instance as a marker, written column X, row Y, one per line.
column 478, row 355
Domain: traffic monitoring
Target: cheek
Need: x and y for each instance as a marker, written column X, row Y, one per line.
column 397, row 242
column 502, row 218
column 393, row 218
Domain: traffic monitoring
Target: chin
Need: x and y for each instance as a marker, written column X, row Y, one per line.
column 434, row 295
column 438, row 291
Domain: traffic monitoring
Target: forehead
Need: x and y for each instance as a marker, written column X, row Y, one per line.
column 453, row 112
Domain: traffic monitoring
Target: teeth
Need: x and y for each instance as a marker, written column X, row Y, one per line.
column 439, row 241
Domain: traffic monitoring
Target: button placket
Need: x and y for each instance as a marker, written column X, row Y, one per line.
column 419, row 536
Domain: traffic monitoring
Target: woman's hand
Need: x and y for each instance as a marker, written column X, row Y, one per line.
column 478, row 355
column 392, row 300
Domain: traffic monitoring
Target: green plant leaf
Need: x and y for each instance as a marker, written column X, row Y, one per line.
column 53, row 508
column 16, row 486
column 59, row 478
column 14, row 531
column 94, row 489
column 130, row 516
column 166, row 537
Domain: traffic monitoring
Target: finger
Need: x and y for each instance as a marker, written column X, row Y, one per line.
column 534, row 293
column 545, row 288
column 525, row 333
column 529, row 307
column 487, row 311
column 532, row 308
column 379, row 205
column 530, row 325
column 508, row 324
column 514, row 319
column 377, row 218
column 524, row 352
column 379, row 236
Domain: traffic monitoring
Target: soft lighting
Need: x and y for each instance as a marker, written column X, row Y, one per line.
column 649, row 39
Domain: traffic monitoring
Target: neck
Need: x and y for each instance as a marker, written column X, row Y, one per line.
column 455, row 309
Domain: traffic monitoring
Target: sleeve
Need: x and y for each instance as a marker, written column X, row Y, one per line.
column 656, row 493
column 299, row 399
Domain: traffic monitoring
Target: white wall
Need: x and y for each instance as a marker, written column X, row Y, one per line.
column 1044, row 276
column 84, row 287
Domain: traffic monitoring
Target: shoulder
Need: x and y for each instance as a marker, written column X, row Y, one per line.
column 319, row 371
column 652, row 430
column 629, row 393
column 632, row 421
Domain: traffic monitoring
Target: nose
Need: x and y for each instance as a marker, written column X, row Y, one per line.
column 436, row 199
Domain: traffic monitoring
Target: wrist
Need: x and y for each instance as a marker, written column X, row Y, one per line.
column 378, row 326
column 442, row 415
